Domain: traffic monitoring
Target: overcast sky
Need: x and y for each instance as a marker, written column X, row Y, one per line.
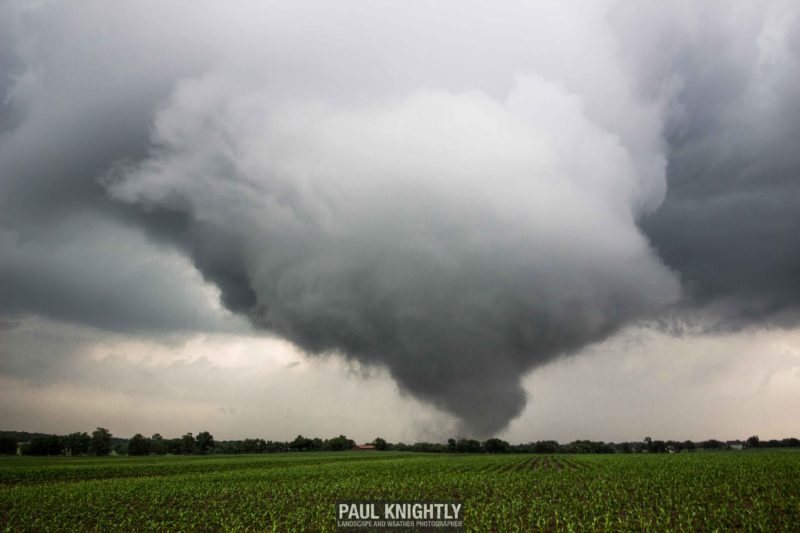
column 534, row 220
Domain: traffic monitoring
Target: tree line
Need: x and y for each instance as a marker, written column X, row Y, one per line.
column 98, row 443
column 101, row 442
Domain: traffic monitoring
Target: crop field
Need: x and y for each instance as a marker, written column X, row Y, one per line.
column 296, row 492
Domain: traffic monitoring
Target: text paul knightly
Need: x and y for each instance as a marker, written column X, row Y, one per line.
column 415, row 515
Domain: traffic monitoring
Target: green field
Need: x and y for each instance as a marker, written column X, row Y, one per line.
column 295, row 492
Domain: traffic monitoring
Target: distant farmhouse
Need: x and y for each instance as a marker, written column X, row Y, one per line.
column 363, row 447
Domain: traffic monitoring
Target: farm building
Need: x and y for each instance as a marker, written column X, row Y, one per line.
column 363, row 447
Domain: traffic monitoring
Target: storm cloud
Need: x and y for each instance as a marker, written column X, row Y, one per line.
column 731, row 217
column 458, row 194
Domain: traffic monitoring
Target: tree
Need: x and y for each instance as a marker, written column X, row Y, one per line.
column 188, row 443
column 425, row 447
column 77, row 443
column 587, row 446
column 468, row 446
column 174, row 446
column 120, row 448
column 249, row 445
column 753, row 442
column 339, row 443
column 158, row 445
column 138, row 445
column 301, row 444
column 101, row 441
column 205, row 441
column 545, row 446
column 44, row 445
column 380, row 444
column 495, row 446
column 8, row 445
column 276, row 446
column 298, row 444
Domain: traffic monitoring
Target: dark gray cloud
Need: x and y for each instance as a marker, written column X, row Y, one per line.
column 68, row 112
column 457, row 206
column 730, row 220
